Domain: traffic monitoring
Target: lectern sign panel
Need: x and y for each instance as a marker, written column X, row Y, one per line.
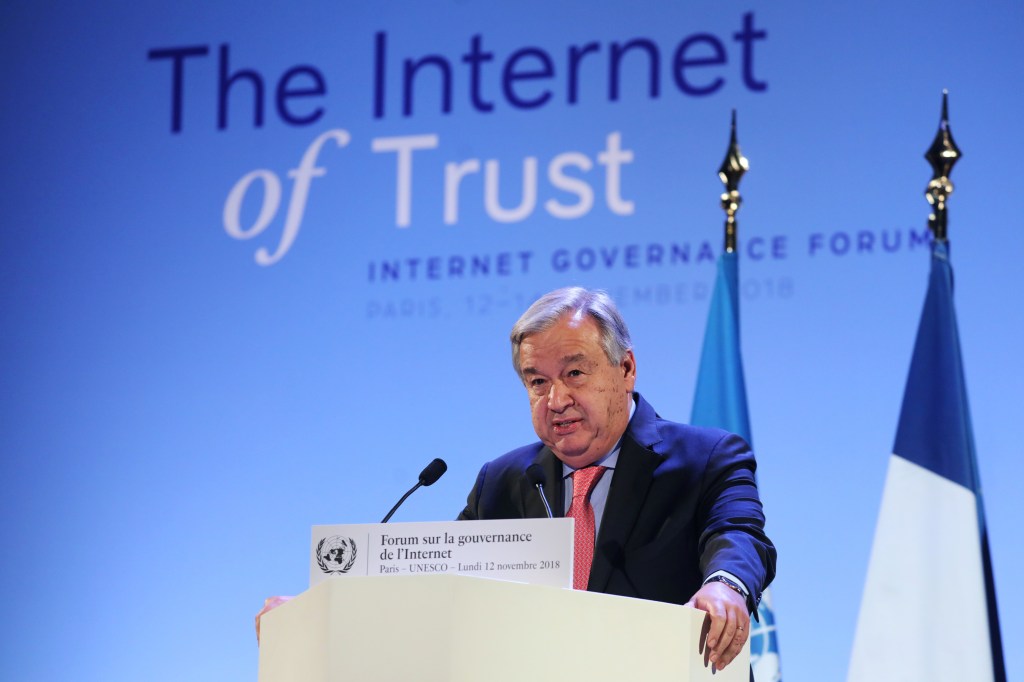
column 535, row 551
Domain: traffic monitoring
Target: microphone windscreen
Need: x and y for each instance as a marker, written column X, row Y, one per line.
column 535, row 475
column 433, row 471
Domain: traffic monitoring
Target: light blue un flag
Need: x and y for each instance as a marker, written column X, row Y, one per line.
column 721, row 401
column 929, row 609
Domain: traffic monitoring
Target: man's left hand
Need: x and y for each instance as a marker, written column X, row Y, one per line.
column 727, row 625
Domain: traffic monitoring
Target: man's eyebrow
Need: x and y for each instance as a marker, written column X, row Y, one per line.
column 566, row 360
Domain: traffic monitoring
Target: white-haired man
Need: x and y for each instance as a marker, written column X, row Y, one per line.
column 667, row 512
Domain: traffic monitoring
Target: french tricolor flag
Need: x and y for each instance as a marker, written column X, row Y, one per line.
column 929, row 607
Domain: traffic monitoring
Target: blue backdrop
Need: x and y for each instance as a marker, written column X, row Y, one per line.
column 178, row 409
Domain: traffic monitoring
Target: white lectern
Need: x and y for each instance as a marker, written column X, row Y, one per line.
column 451, row 628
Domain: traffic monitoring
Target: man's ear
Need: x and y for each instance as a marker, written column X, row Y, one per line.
column 628, row 367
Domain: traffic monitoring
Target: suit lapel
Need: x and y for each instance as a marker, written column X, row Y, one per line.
column 632, row 479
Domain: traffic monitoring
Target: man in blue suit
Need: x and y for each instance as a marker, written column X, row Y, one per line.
column 674, row 510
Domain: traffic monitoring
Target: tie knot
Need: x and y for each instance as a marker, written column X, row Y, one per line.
column 584, row 480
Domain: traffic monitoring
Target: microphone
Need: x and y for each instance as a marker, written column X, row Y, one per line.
column 432, row 472
column 428, row 476
column 535, row 475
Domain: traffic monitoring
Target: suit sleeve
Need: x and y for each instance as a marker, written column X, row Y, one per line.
column 472, row 510
column 732, row 536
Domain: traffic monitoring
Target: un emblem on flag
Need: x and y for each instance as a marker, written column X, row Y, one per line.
column 336, row 554
column 764, row 647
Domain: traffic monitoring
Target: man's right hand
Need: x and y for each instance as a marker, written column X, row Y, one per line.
column 269, row 604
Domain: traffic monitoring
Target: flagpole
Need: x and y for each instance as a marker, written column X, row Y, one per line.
column 731, row 171
column 720, row 398
column 942, row 155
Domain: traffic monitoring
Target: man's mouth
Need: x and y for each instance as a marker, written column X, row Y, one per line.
column 565, row 426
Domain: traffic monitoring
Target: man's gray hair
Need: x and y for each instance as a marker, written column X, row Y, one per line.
column 577, row 302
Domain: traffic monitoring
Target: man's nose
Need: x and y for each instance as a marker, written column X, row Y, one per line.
column 559, row 397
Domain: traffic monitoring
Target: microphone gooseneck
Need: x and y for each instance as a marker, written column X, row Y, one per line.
column 535, row 475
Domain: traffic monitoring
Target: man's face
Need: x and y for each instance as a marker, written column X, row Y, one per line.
column 579, row 400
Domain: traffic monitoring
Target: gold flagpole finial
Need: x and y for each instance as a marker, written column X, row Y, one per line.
column 942, row 155
column 733, row 168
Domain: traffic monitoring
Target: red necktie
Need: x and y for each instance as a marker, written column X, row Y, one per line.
column 583, row 482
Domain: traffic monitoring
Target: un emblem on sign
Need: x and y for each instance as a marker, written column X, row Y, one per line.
column 764, row 646
column 336, row 554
